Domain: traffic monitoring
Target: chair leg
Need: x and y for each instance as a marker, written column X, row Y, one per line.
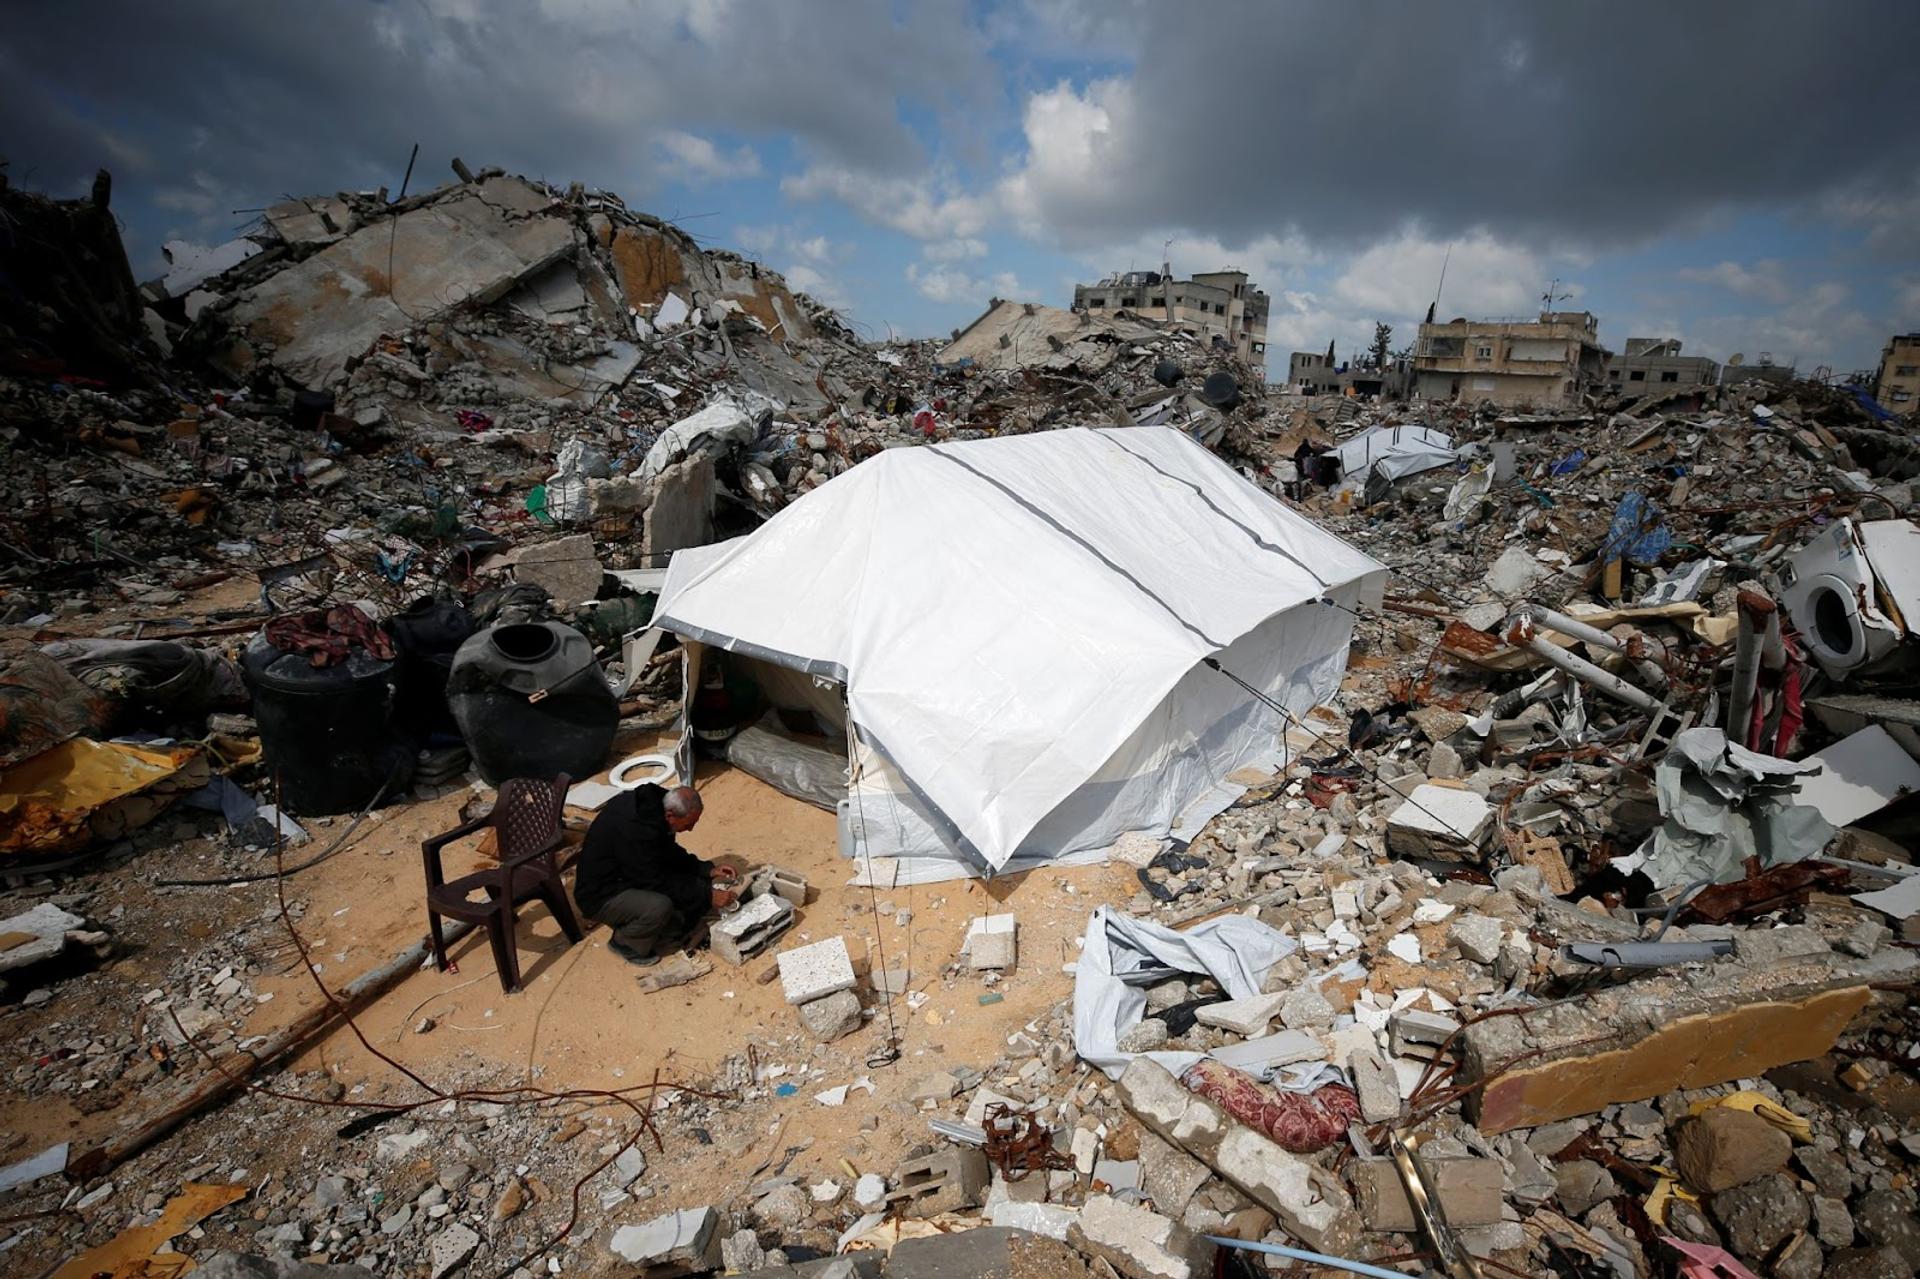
column 506, row 955
column 554, row 894
column 438, row 936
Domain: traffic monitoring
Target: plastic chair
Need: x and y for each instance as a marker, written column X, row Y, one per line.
column 526, row 825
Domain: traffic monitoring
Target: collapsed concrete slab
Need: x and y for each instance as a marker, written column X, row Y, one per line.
column 1305, row 1198
column 1674, row 1030
column 319, row 314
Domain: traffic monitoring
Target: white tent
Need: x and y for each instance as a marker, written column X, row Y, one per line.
column 1018, row 628
column 1391, row 452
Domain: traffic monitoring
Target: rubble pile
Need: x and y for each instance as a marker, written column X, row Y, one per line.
column 1573, row 935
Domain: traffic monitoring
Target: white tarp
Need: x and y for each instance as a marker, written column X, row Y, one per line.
column 1009, row 615
column 1123, row 956
column 1393, row 451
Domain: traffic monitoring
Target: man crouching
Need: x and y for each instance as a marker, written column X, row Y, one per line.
column 635, row 879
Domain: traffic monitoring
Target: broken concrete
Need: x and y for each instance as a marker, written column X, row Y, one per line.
column 1666, row 1031
column 1308, row 1202
column 1139, row 1243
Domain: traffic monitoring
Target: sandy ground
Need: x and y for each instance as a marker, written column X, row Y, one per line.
column 581, row 1020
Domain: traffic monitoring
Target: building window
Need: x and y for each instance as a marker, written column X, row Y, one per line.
column 1614, row 374
column 1669, row 375
column 1906, row 370
column 1483, row 352
column 1096, row 301
column 1638, row 375
column 1127, row 302
column 1901, row 397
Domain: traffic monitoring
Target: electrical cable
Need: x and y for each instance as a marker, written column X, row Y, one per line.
column 333, row 849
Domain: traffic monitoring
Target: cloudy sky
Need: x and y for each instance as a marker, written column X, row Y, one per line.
column 1744, row 176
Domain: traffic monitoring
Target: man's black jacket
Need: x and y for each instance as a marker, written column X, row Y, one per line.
column 630, row 845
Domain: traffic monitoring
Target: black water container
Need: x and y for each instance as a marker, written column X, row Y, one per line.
column 328, row 731
column 531, row 702
column 428, row 632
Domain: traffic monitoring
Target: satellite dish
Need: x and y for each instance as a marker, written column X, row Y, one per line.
column 1735, row 360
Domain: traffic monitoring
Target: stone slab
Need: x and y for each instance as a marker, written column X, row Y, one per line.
column 1441, row 822
column 1247, row 1016
column 813, row 972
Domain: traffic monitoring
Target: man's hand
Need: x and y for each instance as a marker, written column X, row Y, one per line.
column 725, row 874
column 723, row 898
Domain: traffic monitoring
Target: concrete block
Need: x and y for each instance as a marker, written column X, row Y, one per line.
column 989, row 1252
column 1441, row 822
column 1415, row 1028
column 1169, row 1175
column 679, row 1243
column 1309, row 1202
column 1478, row 937
column 566, row 569
column 1470, row 1190
column 813, row 972
column 946, row 1181
column 1139, row 1243
column 1247, row 1016
column 831, row 1016
column 990, row 942
column 1377, row 1086
column 1667, row 1031
column 790, row 885
column 758, row 923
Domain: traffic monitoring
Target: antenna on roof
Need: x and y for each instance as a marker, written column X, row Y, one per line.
column 1553, row 294
column 1435, row 304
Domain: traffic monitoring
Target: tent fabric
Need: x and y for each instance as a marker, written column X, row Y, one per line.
column 1394, row 451
column 1006, row 613
column 1123, row 956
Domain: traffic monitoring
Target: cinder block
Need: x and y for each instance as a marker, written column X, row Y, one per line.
column 813, row 972
column 758, row 923
column 790, row 885
column 946, row 1181
column 990, row 942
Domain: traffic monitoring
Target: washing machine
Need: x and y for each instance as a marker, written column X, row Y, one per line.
column 1834, row 600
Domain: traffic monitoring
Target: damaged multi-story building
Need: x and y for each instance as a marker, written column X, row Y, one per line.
column 1898, row 386
column 1655, row 364
column 1219, row 304
column 1509, row 361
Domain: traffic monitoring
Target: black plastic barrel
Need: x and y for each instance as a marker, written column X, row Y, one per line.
column 328, row 731
column 531, row 702
column 428, row 632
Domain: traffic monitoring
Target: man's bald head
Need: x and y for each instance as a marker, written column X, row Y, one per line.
column 683, row 808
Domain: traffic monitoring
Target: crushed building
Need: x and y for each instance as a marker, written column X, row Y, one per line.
column 1552, row 910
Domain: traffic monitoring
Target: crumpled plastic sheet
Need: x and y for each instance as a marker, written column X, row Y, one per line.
column 1723, row 803
column 1637, row 533
column 1123, row 956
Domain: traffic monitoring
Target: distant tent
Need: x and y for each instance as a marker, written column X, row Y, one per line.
column 1007, row 637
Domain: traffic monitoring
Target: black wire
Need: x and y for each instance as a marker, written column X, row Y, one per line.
column 891, row 1054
